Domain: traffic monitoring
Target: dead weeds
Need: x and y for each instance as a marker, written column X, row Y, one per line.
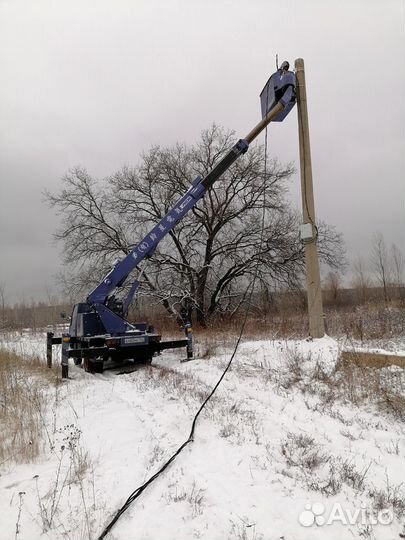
column 23, row 402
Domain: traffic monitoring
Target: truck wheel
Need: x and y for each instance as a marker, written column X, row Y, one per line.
column 77, row 361
column 145, row 360
column 91, row 366
column 97, row 367
column 86, row 365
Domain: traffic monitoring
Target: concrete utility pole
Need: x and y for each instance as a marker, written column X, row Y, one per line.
column 308, row 231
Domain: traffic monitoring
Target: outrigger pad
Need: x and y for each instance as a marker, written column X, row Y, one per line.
column 280, row 87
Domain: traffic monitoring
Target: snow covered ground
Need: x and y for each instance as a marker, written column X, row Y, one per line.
column 289, row 448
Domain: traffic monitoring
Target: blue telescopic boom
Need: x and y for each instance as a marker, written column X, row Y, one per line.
column 116, row 278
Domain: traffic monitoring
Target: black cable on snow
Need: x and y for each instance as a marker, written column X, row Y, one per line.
column 138, row 491
column 135, row 494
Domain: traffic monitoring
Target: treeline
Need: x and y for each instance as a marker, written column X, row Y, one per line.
column 265, row 305
column 379, row 275
column 33, row 315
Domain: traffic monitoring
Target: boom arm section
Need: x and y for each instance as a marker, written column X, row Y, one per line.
column 118, row 275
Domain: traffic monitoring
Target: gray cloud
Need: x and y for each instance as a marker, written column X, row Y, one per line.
column 93, row 83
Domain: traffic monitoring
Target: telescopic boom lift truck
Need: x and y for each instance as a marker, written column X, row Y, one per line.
column 99, row 333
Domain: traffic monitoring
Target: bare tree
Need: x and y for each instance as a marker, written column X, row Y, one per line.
column 243, row 226
column 361, row 278
column 381, row 263
column 333, row 282
column 397, row 264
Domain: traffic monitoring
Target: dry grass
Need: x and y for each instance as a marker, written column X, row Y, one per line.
column 245, row 529
column 23, row 402
column 301, row 451
column 348, row 381
column 71, row 475
column 390, row 497
column 177, row 384
column 383, row 388
column 319, row 470
column 375, row 323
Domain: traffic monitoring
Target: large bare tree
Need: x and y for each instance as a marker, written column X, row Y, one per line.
column 243, row 226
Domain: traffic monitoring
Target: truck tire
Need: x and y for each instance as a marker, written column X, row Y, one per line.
column 144, row 360
column 86, row 365
column 92, row 366
column 96, row 367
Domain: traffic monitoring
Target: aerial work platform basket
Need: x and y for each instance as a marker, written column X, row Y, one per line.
column 280, row 88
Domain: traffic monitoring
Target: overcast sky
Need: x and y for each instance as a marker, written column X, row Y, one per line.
column 93, row 83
